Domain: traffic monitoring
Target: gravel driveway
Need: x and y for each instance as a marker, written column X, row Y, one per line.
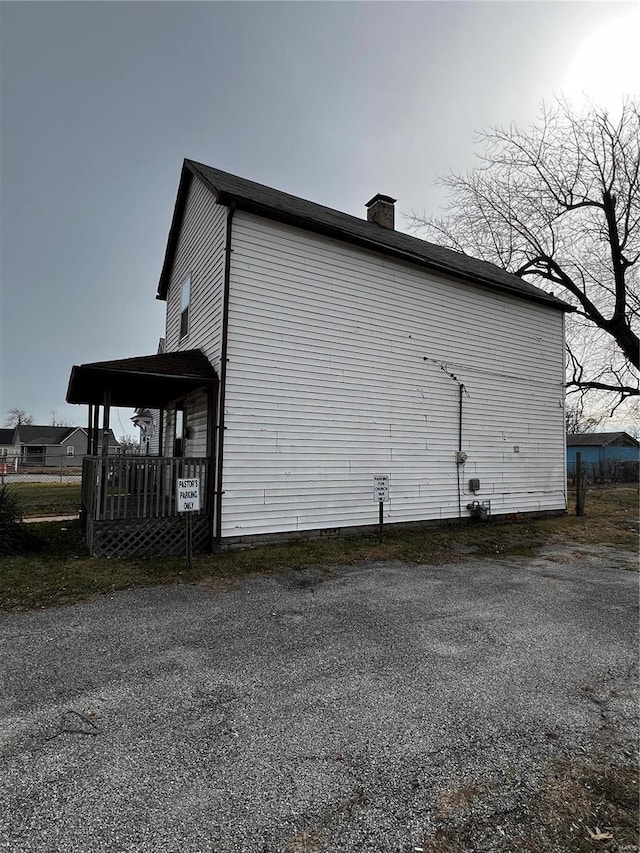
column 352, row 709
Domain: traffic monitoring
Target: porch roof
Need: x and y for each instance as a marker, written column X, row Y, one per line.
column 149, row 380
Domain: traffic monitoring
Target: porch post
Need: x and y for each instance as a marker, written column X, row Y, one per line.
column 89, row 423
column 105, row 421
column 94, row 431
column 161, row 432
column 104, row 465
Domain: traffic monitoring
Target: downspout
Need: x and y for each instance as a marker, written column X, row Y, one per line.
column 564, row 410
column 223, row 376
column 460, row 456
column 461, row 390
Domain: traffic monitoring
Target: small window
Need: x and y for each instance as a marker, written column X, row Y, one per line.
column 185, row 298
column 70, row 450
column 180, row 429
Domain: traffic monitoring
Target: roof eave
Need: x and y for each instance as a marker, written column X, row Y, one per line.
column 241, row 202
column 189, row 169
column 309, row 224
column 126, row 384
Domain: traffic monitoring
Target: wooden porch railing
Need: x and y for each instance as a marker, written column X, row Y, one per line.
column 128, row 487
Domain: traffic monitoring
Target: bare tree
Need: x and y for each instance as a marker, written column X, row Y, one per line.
column 559, row 204
column 18, row 417
column 633, row 422
column 60, row 422
column 129, row 444
column 578, row 421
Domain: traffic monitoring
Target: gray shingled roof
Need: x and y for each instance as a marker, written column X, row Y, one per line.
column 183, row 363
column 598, row 439
column 273, row 204
column 6, row 435
column 148, row 380
column 43, row 433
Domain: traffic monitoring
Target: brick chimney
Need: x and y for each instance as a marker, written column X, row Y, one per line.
column 380, row 210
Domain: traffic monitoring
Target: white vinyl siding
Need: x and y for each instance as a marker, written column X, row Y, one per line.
column 200, row 256
column 195, row 420
column 200, row 259
column 195, row 406
column 340, row 368
column 154, row 437
column 185, row 296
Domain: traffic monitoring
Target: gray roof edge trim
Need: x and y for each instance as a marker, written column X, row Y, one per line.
column 190, row 168
column 174, row 232
column 191, row 377
column 195, row 169
column 75, row 429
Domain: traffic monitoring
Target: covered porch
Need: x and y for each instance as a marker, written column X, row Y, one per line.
column 128, row 503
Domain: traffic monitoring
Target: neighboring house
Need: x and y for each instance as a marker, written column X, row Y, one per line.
column 308, row 351
column 6, row 441
column 147, row 422
column 43, row 445
column 602, row 449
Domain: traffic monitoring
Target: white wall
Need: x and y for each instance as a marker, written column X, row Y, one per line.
column 335, row 374
column 199, row 254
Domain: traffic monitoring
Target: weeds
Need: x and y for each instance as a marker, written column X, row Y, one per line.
column 580, row 807
column 15, row 538
column 579, row 798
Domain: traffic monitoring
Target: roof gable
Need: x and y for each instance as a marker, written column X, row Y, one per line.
column 259, row 199
column 72, row 432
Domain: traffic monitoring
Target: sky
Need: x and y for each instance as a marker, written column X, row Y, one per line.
column 334, row 102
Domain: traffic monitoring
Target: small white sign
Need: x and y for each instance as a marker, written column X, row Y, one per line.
column 381, row 488
column 188, row 495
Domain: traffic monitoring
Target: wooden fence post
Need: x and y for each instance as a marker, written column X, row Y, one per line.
column 581, row 485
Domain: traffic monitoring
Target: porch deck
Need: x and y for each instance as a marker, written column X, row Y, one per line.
column 128, row 505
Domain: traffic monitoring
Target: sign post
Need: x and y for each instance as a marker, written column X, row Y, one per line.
column 188, row 500
column 380, row 496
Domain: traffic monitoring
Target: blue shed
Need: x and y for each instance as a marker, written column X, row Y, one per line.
column 600, row 448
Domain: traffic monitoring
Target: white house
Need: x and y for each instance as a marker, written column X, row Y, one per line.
column 338, row 349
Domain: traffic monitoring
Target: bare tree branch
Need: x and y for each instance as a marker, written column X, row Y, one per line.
column 558, row 203
column 18, row 417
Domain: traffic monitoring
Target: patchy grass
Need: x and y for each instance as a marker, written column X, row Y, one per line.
column 611, row 517
column 580, row 807
column 307, row 841
column 455, row 800
column 581, row 801
column 41, row 499
column 61, row 570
